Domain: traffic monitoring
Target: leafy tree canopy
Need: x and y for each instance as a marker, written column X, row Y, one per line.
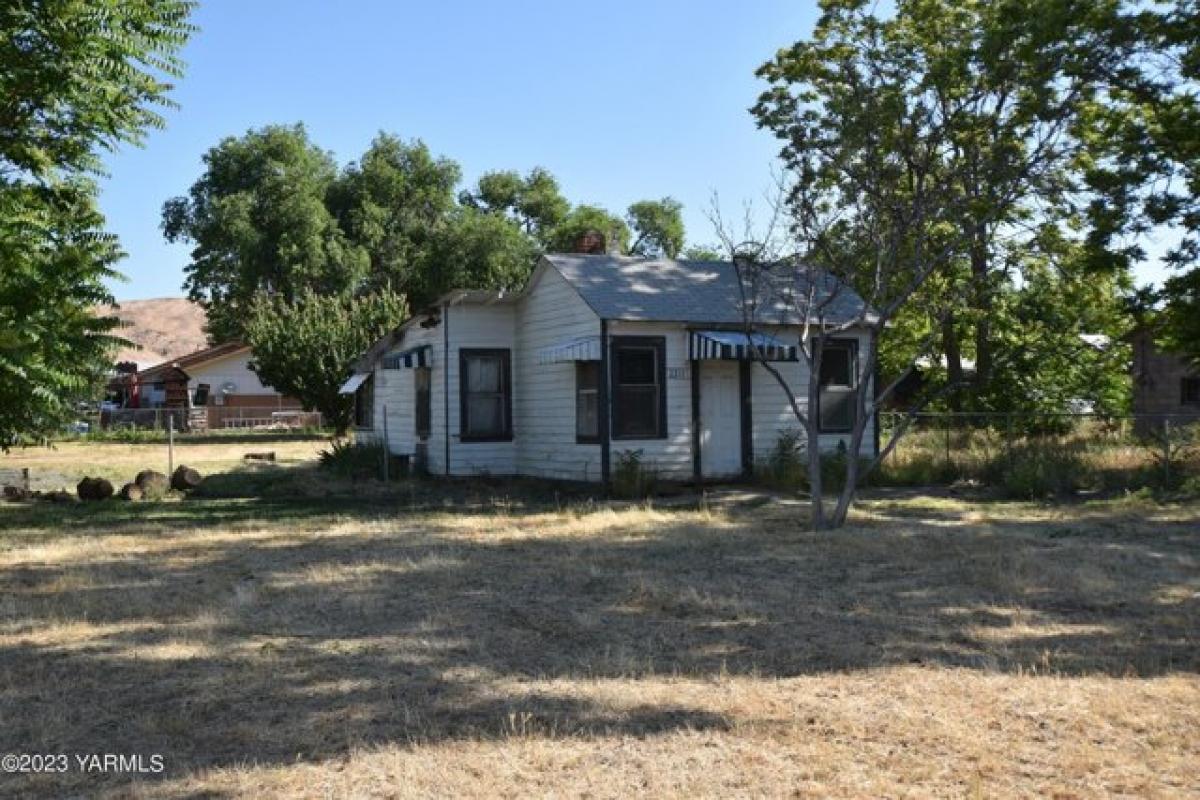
column 657, row 227
column 305, row 346
column 259, row 221
column 273, row 213
column 76, row 78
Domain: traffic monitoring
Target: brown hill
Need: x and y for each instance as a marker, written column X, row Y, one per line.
column 165, row 327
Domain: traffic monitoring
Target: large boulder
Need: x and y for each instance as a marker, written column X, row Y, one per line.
column 131, row 491
column 94, row 489
column 184, row 479
column 154, row 485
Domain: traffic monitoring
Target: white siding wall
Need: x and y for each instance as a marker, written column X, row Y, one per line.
column 670, row 457
column 395, row 390
column 772, row 413
column 231, row 369
column 477, row 326
column 544, row 414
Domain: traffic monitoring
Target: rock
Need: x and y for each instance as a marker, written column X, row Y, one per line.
column 184, row 479
column 94, row 489
column 131, row 492
column 16, row 494
column 153, row 484
column 267, row 456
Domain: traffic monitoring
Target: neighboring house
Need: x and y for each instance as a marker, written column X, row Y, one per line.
column 513, row 384
column 218, row 378
column 1165, row 386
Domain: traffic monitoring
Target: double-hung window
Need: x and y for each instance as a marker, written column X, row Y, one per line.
column 639, row 387
column 587, row 402
column 839, row 373
column 485, row 397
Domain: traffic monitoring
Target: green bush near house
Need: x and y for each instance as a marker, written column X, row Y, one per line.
column 632, row 478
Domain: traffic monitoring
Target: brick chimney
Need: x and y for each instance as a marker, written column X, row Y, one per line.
column 591, row 243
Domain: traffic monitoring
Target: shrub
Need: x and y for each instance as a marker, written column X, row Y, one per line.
column 349, row 460
column 1044, row 469
column 784, row 466
column 632, row 478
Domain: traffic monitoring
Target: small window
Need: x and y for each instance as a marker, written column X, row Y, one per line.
column 364, row 404
column 1189, row 391
column 422, row 378
column 639, row 387
column 587, row 402
column 838, row 379
column 485, row 402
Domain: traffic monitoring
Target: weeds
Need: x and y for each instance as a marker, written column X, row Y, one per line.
column 632, row 478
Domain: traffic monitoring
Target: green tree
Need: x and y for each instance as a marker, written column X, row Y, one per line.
column 305, row 346
column 534, row 202
column 474, row 250
column 392, row 203
column 700, row 252
column 76, row 79
column 928, row 148
column 585, row 219
column 657, row 228
column 258, row 221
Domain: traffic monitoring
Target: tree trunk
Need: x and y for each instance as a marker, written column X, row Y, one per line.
column 817, row 504
column 954, row 370
column 983, row 303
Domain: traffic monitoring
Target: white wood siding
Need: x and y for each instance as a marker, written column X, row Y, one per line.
column 478, row 326
column 771, row 412
column 544, row 411
column 233, row 369
column 395, row 390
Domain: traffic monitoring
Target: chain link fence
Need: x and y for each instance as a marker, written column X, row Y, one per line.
column 264, row 419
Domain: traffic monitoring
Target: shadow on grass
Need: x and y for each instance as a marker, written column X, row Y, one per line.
column 340, row 622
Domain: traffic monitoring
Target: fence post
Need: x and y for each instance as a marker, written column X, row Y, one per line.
column 949, row 466
column 170, row 444
column 1167, row 453
column 386, row 446
column 1008, row 439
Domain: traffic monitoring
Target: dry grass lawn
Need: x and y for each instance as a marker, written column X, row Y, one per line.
column 366, row 649
column 62, row 465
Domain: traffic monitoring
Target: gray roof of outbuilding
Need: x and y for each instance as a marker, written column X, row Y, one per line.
column 668, row 290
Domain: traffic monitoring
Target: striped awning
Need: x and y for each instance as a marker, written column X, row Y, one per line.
column 584, row 348
column 739, row 346
column 416, row 357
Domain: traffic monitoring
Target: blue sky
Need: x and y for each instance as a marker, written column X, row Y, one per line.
column 620, row 100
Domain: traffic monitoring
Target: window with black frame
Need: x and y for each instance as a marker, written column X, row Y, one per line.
column 422, row 377
column 639, row 387
column 838, row 381
column 587, row 402
column 364, row 404
column 485, row 400
column 1189, row 391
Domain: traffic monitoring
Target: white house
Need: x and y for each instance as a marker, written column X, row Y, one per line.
column 599, row 354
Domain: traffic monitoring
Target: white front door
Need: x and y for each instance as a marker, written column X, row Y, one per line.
column 720, row 419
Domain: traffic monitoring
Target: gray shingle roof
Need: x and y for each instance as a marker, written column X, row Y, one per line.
column 666, row 290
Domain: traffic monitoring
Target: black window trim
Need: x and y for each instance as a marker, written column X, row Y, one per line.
column 838, row 343
column 659, row 343
column 505, row 355
column 359, row 397
column 422, row 428
column 580, row 438
column 1184, row 382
